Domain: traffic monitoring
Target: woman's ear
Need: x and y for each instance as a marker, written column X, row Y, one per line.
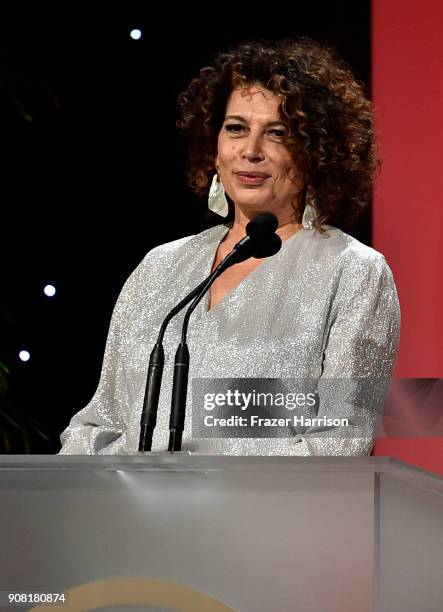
column 216, row 163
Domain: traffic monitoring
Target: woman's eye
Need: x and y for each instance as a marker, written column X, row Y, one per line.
column 238, row 128
column 234, row 128
column 277, row 133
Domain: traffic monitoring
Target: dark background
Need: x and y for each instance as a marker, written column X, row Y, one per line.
column 92, row 170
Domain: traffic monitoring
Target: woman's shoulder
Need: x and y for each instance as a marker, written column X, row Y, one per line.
column 158, row 263
column 336, row 244
column 169, row 250
column 160, row 260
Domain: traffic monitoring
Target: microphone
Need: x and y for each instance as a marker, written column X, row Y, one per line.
column 265, row 243
column 259, row 231
column 260, row 242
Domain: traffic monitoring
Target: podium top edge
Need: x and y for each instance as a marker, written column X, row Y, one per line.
column 186, row 462
column 190, row 462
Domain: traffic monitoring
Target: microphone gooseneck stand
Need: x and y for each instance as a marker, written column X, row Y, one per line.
column 259, row 242
column 148, row 419
column 264, row 248
column 181, row 370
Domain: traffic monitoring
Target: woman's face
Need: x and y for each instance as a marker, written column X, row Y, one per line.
column 255, row 167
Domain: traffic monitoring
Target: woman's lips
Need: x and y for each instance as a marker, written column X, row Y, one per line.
column 251, row 179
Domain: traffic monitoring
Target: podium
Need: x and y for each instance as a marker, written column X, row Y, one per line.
column 216, row 533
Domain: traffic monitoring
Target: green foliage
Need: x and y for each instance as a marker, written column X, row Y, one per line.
column 19, row 432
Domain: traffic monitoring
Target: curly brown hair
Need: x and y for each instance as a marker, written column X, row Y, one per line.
column 331, row 134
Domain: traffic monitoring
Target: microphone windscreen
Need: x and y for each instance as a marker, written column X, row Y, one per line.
column 267, row 247
column 262, row 225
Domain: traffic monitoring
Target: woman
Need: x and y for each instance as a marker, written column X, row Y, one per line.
column 280, row 127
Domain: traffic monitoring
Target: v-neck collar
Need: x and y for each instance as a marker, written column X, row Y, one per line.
column 212, row 254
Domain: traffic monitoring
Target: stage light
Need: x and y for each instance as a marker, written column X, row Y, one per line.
column 135, row 34
column 24, row 356
column 49, row 290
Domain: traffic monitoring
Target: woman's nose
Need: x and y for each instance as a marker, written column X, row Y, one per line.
column 252, row 150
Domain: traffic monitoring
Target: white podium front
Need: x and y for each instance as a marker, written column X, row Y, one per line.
column 250, row 534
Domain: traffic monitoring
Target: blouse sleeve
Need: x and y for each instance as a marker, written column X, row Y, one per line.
column 359, row 356
column 100, row 427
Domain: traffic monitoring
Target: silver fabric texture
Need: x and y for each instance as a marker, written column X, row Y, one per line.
column 325, row 307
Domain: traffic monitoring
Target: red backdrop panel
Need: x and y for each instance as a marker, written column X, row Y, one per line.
column 407, row 68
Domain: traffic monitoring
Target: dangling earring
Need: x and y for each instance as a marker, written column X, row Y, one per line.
column 217, row 200
column 310, row 213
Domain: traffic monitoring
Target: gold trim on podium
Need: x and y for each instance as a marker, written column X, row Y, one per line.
column 136, row 591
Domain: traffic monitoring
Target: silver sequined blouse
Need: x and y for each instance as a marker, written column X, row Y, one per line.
column 324, row 308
